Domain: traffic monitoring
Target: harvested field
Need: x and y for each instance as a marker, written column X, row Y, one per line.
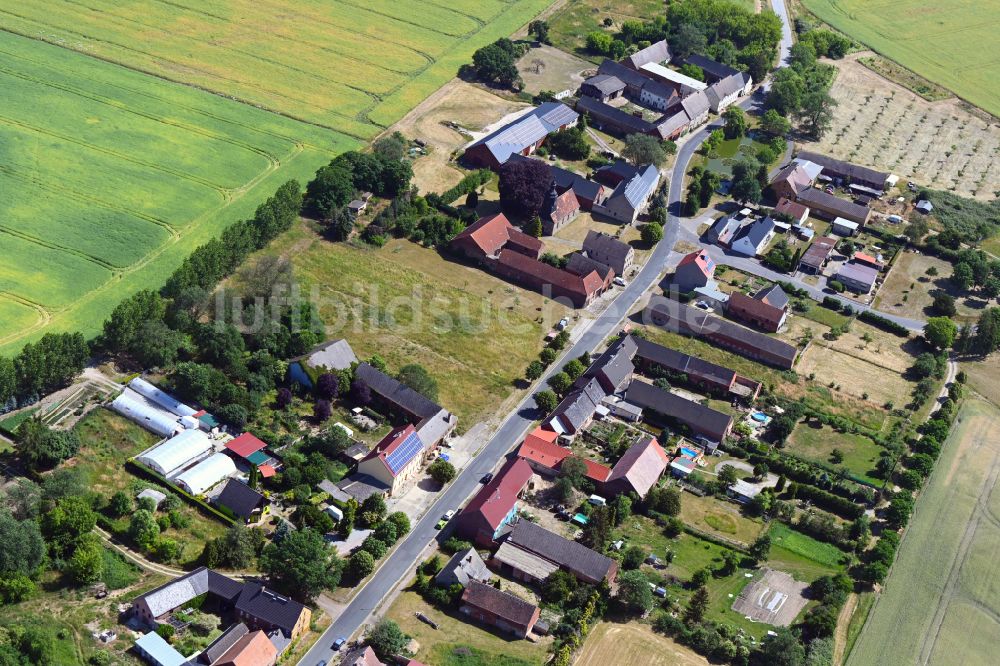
column 605, row 644
column 908, row 291
column 881, row 124
column 940, row 604
column 856, row 377
column 466, row 105
column 929, row 38
column 410, row 305
column 775, row 598
column 548, row 68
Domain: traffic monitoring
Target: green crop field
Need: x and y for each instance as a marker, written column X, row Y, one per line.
column 953, row 43
column 130, row 133
column 941, row 602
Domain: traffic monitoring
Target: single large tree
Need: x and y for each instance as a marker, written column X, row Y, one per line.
column 302, row 564
column 940, row 332
column 22, row 549
column 524, row 186
column 644, row 149
column 387, row 639
column 634, row 592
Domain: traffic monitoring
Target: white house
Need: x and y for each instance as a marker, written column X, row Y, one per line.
column 751, row 240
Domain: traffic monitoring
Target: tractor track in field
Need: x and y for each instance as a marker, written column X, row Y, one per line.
column 43, row 316
column 194, row 129
column 103, row 263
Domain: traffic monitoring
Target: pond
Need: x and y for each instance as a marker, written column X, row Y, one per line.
column 729, row 151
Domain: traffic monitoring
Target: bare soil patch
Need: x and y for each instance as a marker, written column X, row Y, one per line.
column 882, row 124
column 775, row 598
column 547, row 68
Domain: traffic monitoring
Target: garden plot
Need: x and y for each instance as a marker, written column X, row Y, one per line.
column 939, row 144
column 775, row 598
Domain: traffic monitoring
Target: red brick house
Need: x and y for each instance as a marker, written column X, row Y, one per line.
column 549, row 280
column 499, row 609
column 755, row 312
column 495, row 505
column 485, row 237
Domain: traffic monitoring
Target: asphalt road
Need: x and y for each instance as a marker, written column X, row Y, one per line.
column 401, row 562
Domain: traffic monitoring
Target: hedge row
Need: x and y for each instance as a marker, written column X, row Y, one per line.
column 878, row 321
column 466, row 185
column 844, row 508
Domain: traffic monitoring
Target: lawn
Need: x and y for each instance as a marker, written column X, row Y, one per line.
column 454, row 632
column 107, row 440
column 717, row 517
column 941, row 601
column 604, row 646
column 112, row 177
column 571, row 23
column 951, row 44
column 909, row 291
column 813, row 441
column 474, row 333
column 803, row 545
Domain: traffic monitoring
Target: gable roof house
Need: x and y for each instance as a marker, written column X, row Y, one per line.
column 546, row 457
column 495, row 505
column 696, row 106
column 221, row 645
column 582, row 265
column 578, row 290
column 725, row 92
column 696, row 269
column 500, row 609
column 689, row 321
column 576, row 410
column 774, row 296
column 798, row 212
column 326, row 357
column 751, row 240
column 253, row 649
column 603, row 87
column 521, row 136
column 432, row 422
column 631, row 196
column 848, row 172
column 723, row 229
column 615, row 121
column 656, row 52
column 673, row 124
column 362, row 656
column 396, row 460
column 533, row 546
column 613, row 369
column 816, row 255
column 261, row 608
column 464, row 566
column 713, row 70
column 701, row 420
column 828, row 206
column 639, row 468
column 858, row 277
column 241, row 500
column 558, row 210
column 484, row 238
column 609, row 250
column 792, row 179
column 756, row 312
column 714, row 378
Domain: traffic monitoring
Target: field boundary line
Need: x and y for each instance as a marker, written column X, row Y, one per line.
column 60, row 248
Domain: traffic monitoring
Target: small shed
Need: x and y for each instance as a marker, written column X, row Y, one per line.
column 357, row 207
column 844, row 227
column 334, row 513
column 924, row 206
column 154, row 495
column 681, row 467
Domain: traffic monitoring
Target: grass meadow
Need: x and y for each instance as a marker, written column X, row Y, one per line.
column 942, row 598
column 355, row 67
column 950, row 43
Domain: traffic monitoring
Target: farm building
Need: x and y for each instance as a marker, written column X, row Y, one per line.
column 638, row 469
column 365, row 656
column 432, row 422
column 613, row 369
column 656, row 52
column 685, row 84
column 793, row 178
column 696, row 269
column 604, row 87
column 816, row 255
column 751, row 240
column 587, row 192
column 396, row 460
column 500, row 609
column 609, row 250
column 829, row 206
column 158, row 397
column 615, row 121
column 843, row 227
column 858, row 277
column 158, row 652
column 329, row 356
column 495, row 505
column 686, row 320
column 155, row 420
column 717, row 379
column 254, row 649
column 530, row 550
column 714, row 71
column 463, row 566
column 546, row 457
column 520, row 137
column 631, row 196
column 798, row 212
column 578, row 290
column 177, row 452
column 847, row 172
column 487, row 236
column 582, row 265
column 698, row 418
column 696, row 106
column 723, row 93
column 576, row 411
column 756, row 312
column 206, row 474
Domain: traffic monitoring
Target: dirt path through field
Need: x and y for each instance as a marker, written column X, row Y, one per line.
column 843, row 620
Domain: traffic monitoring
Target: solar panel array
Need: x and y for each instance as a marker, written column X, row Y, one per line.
column 404, row 453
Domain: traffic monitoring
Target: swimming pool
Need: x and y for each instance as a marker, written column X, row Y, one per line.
column 760, row 417
column 688, row 452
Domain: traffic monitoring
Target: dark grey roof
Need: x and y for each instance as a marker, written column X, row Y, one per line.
column 773, row 295
column 701, row 419
column 712, row 68
column 185, row 588
column 358, row 486
column 221, row 645
column 858, row 273
column 843, row 169
column 817, row 198
column 269, row 607
column 579, row 405
column 626, row 75
column 579, row 264
column 657, row 52
column 756, row 232
column 670, row 123
column 604, row 247
column 608, row 115
column 569, row 555
column 615, row 363
column 696, row 104
column 504, row 605
column 463, row 566
column 605, row 83
column 692, row 321
column 240, row 498
column 695, row 368
column 394, row 391
column 618, row 171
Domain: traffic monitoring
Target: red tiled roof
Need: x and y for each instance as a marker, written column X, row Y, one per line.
column 641, row 466
column 504, row 605
column 701, row 260
column 488, row 233
column 743, row 304
column 566, row 203
column 266, row 471
column 539, row 448
column 867, row 259
column 251, row 650
column 498, row 497
column 546, row 274
column 390, row 443
column 245, row 445
column 524, row 241
column 793, row 208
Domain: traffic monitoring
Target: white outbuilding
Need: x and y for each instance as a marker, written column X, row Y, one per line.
column 177, row 452
column 206, row 474
column 154, row 420
column 158, row 397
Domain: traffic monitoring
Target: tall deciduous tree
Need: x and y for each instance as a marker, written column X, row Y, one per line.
column 524, row 185
column 302, row 564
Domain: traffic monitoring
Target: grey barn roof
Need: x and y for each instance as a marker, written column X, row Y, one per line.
column 696, row 104
column 725, row 87
column 606, row 83
column 182, row 590
column 701, row 419
column 528, row 129
column 676, row 361
column 239, row 498
column 335, row 355
column 657, row 52
column 814, row 197
column 606, row 246
column 580, row 264
column 846, row 169
column 463, row 566
column 636, row 188
column 223, row 643
column 396, row 392
column 569, row 555
column 714, row 69
column 566, row 180
column 603, row 113
column 773, row 295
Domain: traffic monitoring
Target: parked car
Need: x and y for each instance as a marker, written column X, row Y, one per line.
column 440, row 524
column 339, row 643
column 449, row 514
column 486, row 477
column 620, row 281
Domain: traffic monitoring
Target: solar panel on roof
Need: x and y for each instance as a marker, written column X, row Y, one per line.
column 404, row 453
